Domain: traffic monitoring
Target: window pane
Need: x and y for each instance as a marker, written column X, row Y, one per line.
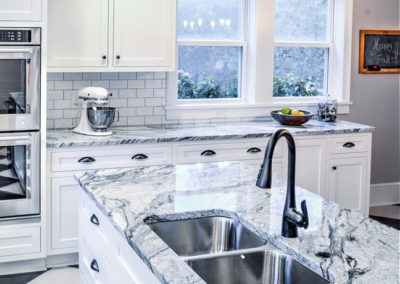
column 206, row 72
column 300, row 71
column 208, row 20
column 301, row 20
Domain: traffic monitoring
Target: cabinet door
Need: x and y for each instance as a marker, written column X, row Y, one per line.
column 77, row 33
column 348, row 182
column 311, row 165
column 64, row 214
column 144, row 33
column 20, row 10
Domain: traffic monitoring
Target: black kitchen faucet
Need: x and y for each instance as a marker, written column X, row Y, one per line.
column 291, row 218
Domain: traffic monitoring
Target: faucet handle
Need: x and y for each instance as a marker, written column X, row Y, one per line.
column 305, row 213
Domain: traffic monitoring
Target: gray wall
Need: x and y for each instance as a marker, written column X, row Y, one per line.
column 375, row 97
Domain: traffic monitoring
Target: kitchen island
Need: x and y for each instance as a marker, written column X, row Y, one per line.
column 360, row 249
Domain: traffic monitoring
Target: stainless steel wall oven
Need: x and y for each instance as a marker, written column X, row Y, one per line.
column 20, row 77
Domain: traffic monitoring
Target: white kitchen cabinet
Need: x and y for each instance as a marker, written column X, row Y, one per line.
column 143, row 33
column 348, row 182
column 21, row 10
column 311, row 165
column 78, row 33
column 348, row 185
column 64, row 213
column 112, row 35
column 104, row 255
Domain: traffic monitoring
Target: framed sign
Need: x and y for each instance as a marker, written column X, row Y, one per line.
column 379, row 51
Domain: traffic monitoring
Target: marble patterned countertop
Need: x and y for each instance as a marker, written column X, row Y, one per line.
column 220, row 131
column 362, row 250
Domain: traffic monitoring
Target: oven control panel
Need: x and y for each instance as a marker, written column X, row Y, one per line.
column 15, row 35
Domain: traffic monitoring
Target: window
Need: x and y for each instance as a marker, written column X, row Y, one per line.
column 302, row 48
column 211, row 49
column 243, row 58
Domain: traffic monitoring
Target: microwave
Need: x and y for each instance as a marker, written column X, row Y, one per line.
column 20, row 79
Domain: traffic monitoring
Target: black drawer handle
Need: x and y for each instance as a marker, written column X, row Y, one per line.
column 140, row 157
column 349, row 145
column 208, row 153
column 334, row 168
column 254, row 150
column 95, row 220
column 86, row 160
column 94, row 266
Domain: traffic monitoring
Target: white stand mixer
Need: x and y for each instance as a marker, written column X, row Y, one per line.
column 96, row 97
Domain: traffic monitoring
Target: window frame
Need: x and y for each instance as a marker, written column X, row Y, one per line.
column 258, row 64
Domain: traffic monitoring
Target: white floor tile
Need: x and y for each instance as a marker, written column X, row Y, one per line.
column 66, row 275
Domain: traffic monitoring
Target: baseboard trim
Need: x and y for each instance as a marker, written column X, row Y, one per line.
column 385, row 194
column 25, row 266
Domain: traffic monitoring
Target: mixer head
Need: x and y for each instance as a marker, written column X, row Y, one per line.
column 97, row 95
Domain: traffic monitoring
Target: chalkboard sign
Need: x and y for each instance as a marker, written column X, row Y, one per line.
column 379, row 51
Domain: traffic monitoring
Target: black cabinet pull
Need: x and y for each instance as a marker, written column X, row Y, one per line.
column 104, row 57
column 118, row 57
column 334, row 168
column 254, row 150
column 95, row 220
column 94, row 266
column 208, row 153
column 140, row 157
column 349, row 145
column 86, row 160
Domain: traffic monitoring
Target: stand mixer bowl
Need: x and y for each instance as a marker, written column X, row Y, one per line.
column 100, row 118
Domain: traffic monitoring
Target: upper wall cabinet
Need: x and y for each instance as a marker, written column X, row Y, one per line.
column 78, row 33
column 20, row 10
column 112, row 35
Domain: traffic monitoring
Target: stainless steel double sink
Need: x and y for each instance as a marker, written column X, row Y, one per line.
column 222, row 250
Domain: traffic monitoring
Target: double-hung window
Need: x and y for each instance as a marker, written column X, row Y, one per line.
column 303, row 48
column 211, row 50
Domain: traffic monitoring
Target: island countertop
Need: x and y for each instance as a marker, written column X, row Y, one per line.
column 362, row 250
column 219, row 131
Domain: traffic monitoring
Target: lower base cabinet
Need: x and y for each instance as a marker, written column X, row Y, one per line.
column 337, row 167
column 104, row 256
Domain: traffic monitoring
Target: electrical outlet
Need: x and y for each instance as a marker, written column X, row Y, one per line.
column 75, row 100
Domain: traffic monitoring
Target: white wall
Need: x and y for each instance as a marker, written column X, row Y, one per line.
column 375, row 97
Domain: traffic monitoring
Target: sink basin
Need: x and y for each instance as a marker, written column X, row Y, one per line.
column 262, row 267
column 205, row 235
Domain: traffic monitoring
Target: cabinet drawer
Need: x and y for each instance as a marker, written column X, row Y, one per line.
column 224, row 151
column 348, row 144
column 113, row 157
column 93, row 265
column 19, row 241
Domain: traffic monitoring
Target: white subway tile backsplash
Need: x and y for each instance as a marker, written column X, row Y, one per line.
column 109, row 76
column 119, row 84
column 81, row 84
column 134, row 84
column 127, row 75
column 91, row 76
column 145, row 111
column 154, row 84
column 145, row 75
column 62, row 85
column 139, row 97
column 139, row 102
column 101, row 83
column 73, row 76
column 144, row 93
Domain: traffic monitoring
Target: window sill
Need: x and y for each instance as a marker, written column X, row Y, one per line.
column 228, row 111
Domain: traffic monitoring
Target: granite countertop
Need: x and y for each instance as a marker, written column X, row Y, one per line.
column 220, row 131
column 362, row 250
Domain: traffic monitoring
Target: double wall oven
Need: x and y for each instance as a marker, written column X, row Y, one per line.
column 19, row 122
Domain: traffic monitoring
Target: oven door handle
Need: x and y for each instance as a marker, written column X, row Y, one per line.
column 9, row 138
column 16, row 50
